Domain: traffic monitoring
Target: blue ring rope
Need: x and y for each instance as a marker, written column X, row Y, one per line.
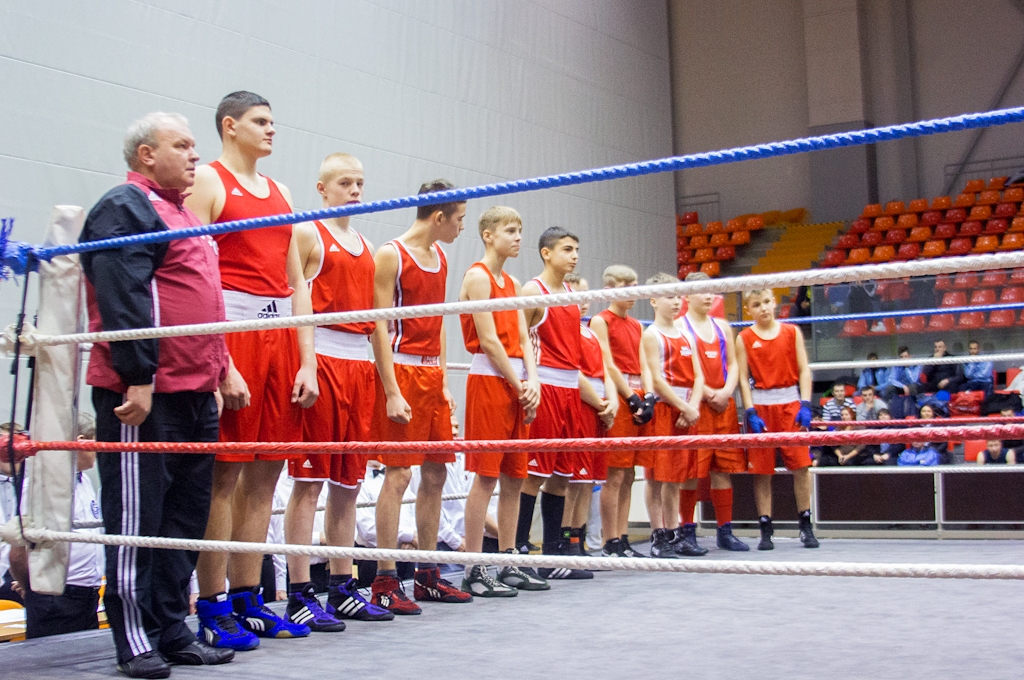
column 671, row 164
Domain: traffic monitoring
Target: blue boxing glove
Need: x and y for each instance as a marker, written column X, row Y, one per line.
column 755, row 425
column 803, row 416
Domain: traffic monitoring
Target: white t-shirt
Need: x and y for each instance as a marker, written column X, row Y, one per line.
column 366, row 518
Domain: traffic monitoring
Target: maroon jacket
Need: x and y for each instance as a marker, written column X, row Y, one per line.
column 139, row 286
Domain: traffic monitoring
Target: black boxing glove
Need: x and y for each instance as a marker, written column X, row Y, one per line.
column 635, row 403
column 646, row 411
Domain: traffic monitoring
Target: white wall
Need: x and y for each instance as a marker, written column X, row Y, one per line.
column 472, row 91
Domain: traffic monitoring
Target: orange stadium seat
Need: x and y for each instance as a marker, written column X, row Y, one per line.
column 940, row 322
column 988, row 197
column 1012, row 242
column 908, row 251
column 993, row 279
column 969, row 228
column 1005, row 210
column 882, row 327
column 986, row 244
column 712, row 269
column 693, row 229
column 997, row 226
column 719, row 239
column 872, row 210
column 965, row 281
column 1002, row 318
column 918, row 205
column 942, row 203
column 954, row 298
column 893, row 208
column 934, row 249
column 964, row 200
column 911, row 324
column 739, row 238
column 894, row 237
column 959, row 246
column 725, row 253
column 1013, row 195
column 834, row 258
column 1017, row 226
column 972, row 448
column 1012, row 294
column 970, row 320
column 980, row 212
column 854, row 328
column 907, row 221
column 945, row 230
column 858, row 256
column 703, row 255
column 883, row 223
column 714, row 228
column 690, row 218
column 871, row 238
column 983, row 296
column 733, row 225
column 699, row 241
column 847, row 241
column 920, row 234
column 997, row 182
column 955, row 215
column 973, row 186
column 883, row 254
column 754, row 223
column 931, row 217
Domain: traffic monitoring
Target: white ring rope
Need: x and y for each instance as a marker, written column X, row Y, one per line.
column 731, row 284
column 864, row 569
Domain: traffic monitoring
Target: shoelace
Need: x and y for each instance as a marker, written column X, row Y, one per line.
column 227, row 623
column 313, row 605
column 491, row 582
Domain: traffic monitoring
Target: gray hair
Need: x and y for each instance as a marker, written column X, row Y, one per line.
column 86, row 425
column 143, row 131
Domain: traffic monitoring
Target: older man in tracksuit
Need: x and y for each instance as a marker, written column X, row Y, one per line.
column 150, row 390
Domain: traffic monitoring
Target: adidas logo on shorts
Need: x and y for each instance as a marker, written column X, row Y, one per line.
column 269, row 312
column 583, row 471
column 308, row 465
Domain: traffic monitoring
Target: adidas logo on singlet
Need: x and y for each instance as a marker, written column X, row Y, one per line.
column 269, row 312
column 334, row 248
column 236, row 192
column 757, row 343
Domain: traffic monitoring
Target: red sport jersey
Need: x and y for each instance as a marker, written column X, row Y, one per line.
column 592, row 466
column 418, row 285
column 624, row 342
column 675, row 362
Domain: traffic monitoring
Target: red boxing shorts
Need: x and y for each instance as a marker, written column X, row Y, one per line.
column 671, row 465
column 719, row 459
column 591, row 466
column 625, row 427
column 778, row 418
column 268, row 361
column 423, row 389
column 342, row 413
column 558, row 417
column 493, row 412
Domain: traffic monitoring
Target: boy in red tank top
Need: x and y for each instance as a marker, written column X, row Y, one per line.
column 555, row 334
column 502, row 395
column 716, row 350
column 772, row 356
column 413, row 402
column 679, row 383
column 619, row 335
column 338, row 263
column 273, row 373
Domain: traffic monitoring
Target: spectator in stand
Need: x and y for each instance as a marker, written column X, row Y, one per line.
column 996, row 453
column 870, row 405
column 847, row 454
column 942, row 448
column 919, row 453
column 832, row 410
column 873, row 377
column 901, row 381
column 939, row 377
column 977, row 376
column 888, row 452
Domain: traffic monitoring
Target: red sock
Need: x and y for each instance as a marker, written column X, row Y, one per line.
column 722, row 500
column 687, row 503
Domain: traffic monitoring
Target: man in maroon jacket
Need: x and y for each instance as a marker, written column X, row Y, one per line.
column 154, row 390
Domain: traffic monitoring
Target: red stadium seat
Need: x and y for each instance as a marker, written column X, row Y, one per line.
column 918, row 205
column 986, row 244
column 690, row 218
column 997, row 226
column 834, row 258
column 931, row 217
column 965, row 281
column 973, row 186
column 847, row 241
column 969, row 228
column 944, row 231
column 894, row 237
column 1011, row 373
column 883, row 254
column 969, row 320
column 1012, row 294
column 739, row 238
column 911, row 324
column 686, row 269
column 972, row 448
column 908, row 221
column 684, row 256
column 882, row 327
column 1002, row 318
column 711, row 269
column 988, row 197
column 1005, row 210
column 871, row 238
column 940, row 322
column 934, row 249
column 959, row 246
column 920, row 234
column 893, row 208
column 908, row 251
column 955, row 215
column 993, row 279
column 983, row 296
column 858, row 256
column 860, row 226
column 954, row 298
column 943, row 282
column 854, row 328
column 1017, row 277
column 725, row 253
column 872, row 210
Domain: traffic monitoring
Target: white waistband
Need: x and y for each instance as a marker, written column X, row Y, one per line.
column 633, row 380
column 341, row 345
column 481, row 365
column 240, row 306
column 773, row 397
column 415, row 360
column 559, row 377
column 598, row 384
column 683, row 393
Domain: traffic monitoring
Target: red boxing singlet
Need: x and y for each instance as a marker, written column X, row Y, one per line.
column 712, row 355
column 675, row 358
column 254, row 261
column 556, row 338
column 415, row 285
column 505, row 323
column 591, row 358
column 772, row 362
column 344, row 280
column 624, row 341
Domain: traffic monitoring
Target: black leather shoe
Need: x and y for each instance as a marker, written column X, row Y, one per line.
column 147, row 665
column 198, row 653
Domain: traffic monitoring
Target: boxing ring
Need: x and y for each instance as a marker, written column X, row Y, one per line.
column 726, row 617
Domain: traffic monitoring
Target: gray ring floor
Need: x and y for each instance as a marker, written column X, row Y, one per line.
column 624, row 625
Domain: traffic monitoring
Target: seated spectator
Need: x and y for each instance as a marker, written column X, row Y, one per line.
column 977, row 376
column 928, row 413
column 887, row 452
column 898, row 391
column 832, row 410
column 872, row 377
column 919, row 453
column 869, row 407
column 846, row 454
column 937, row 377
column 996, row 453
